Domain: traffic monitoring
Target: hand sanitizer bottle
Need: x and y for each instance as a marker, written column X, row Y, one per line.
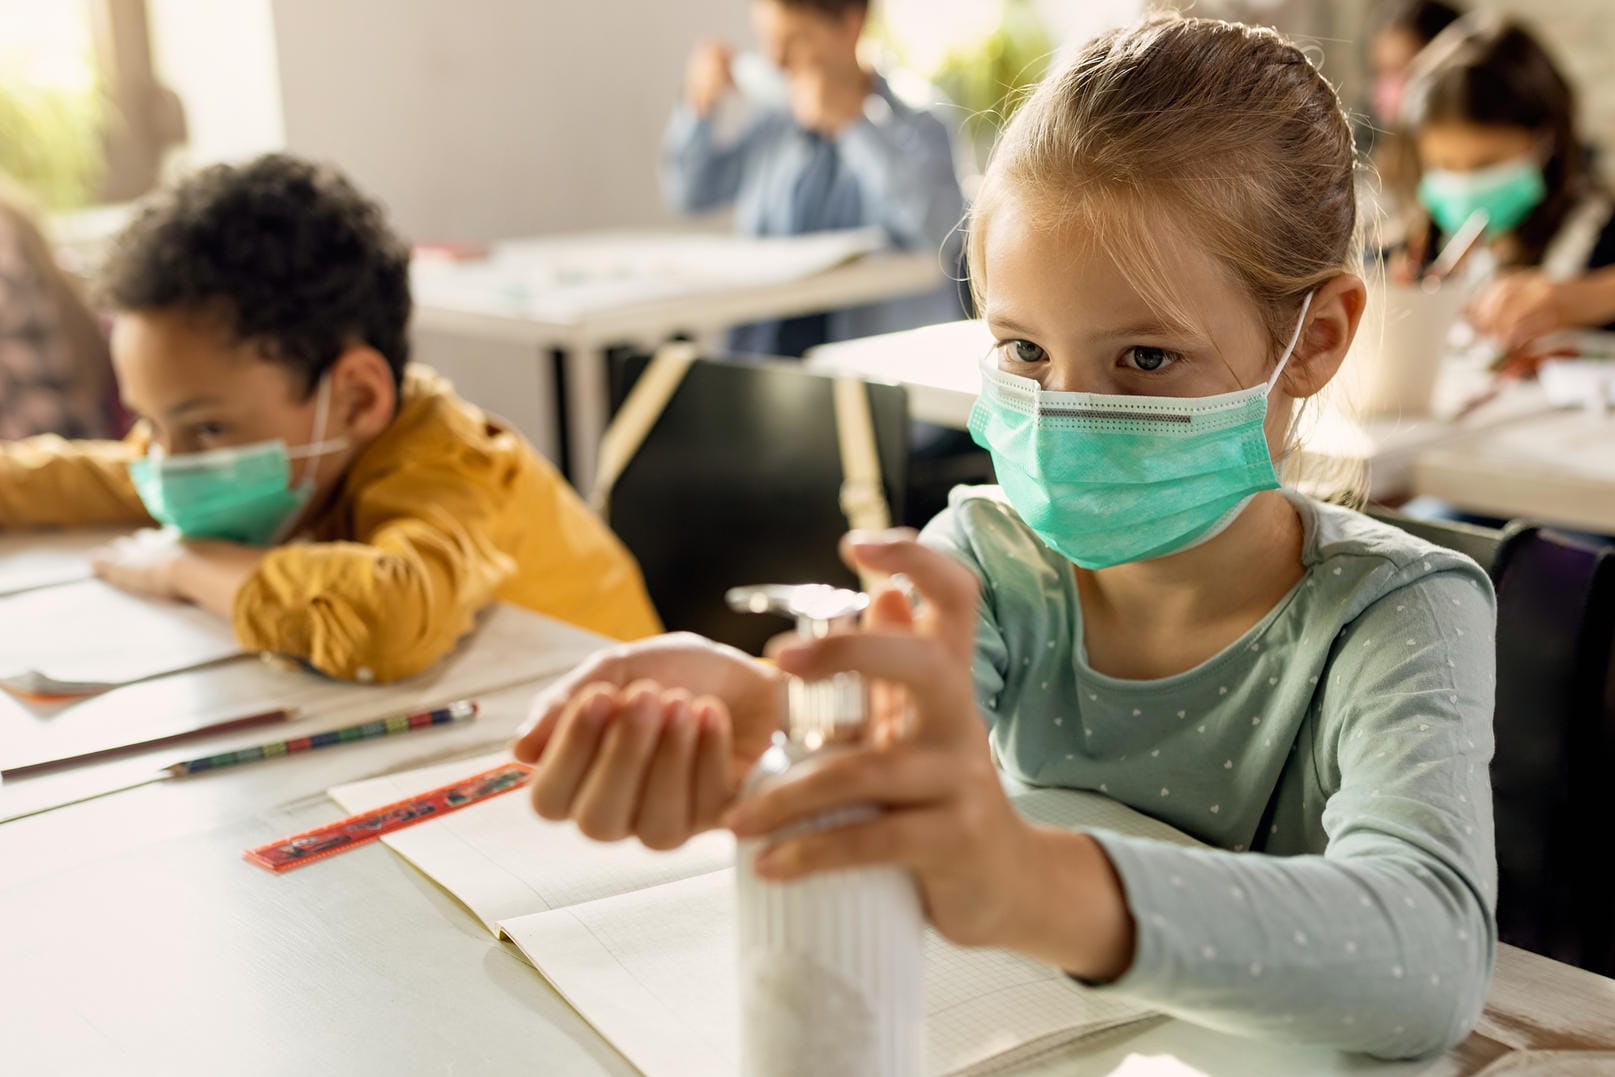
column 831, row 973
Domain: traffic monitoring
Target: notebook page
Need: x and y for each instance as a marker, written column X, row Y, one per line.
column 654, row 971
column 501, row 860
column 90, row 632
column 30, row 559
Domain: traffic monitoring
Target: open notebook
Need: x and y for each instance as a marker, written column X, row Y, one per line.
column 642, row 943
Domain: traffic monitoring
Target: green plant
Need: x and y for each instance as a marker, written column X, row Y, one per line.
column 982, row 56
column 51, row 142
column 987, row 77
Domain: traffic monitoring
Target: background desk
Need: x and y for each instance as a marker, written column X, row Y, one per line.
column 484, row 325
column 1513, row 457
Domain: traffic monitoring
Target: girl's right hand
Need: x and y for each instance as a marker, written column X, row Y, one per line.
column 650, row 740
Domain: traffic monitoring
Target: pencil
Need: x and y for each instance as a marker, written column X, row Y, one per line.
column 284, row 714
column 384, row 727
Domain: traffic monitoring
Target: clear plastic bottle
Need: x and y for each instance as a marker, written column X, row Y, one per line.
column 831, row 966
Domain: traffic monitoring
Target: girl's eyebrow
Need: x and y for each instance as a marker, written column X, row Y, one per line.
column 1147, row 329
column 1007, row 324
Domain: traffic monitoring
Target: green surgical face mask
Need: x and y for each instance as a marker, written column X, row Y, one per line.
column 1508, row 192
column 1107, row 480
column 241, row 494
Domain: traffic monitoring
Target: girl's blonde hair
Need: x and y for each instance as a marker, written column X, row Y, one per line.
column 1181, row 129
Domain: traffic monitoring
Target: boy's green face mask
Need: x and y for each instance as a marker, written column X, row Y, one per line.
column 240, row 494
column 1108, row 480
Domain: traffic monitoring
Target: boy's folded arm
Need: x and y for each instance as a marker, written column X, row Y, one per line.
column 378, row 610
column 48, row 481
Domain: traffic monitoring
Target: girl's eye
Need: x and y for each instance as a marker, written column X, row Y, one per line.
column 1149, row 360
column 1024, row 351
column 209, row 431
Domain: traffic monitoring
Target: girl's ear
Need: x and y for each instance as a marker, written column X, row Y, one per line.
column 1332, row 320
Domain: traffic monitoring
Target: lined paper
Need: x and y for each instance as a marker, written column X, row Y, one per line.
column 502, row 860
column 654, row 971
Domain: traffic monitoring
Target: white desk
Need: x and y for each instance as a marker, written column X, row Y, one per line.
column 1512, row 457
column 1559, row 468
column 581, row 295
column 135, row 940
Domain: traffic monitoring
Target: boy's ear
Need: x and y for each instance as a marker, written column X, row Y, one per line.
column 364, row 397
column 1332, row 321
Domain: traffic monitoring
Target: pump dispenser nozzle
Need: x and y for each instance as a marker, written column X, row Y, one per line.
column 820, row 711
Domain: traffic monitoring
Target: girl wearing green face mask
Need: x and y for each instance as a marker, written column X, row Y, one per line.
column 1163, row 247
column 1494, row 124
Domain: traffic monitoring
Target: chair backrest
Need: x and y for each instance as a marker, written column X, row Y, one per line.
column 739, row 482
column 1554, row 727
column 1555, row 757
column 1479, row 544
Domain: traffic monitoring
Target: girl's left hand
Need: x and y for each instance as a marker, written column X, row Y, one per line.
column 986, row 875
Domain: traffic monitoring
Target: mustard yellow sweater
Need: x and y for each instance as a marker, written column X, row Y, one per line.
column 444, row 513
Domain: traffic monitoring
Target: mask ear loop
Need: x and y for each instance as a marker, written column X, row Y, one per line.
column 320, row 446
column 1295, row 338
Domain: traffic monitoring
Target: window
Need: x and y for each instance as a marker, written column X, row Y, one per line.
column 82, row 117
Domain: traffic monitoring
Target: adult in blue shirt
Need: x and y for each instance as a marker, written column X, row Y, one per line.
column 838, row 150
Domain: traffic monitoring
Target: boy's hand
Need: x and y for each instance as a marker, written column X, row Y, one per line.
column 142, row 563
column 707, row 77
column 160, row 564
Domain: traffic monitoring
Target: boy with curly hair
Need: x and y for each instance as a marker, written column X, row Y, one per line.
column 338, row 506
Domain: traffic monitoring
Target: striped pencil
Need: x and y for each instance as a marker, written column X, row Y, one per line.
column 384, row 727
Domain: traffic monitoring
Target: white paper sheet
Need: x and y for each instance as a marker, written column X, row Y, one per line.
column 510, row 646
column 91, row 633
column 567, row 278
column 29, row 560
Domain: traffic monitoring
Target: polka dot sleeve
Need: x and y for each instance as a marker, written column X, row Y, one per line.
column 1383, row 942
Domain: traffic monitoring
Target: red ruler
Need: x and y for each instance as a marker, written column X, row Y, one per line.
column 284, row 854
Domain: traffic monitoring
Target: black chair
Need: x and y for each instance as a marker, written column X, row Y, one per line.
column 1479, row 544
column 1554, row 726
column 1555, row 761
column 739, row 482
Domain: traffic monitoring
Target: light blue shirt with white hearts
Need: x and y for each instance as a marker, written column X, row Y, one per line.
column 1335, row 755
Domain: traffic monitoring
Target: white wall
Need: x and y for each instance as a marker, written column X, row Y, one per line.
column 220, row 59
column 481, row 119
